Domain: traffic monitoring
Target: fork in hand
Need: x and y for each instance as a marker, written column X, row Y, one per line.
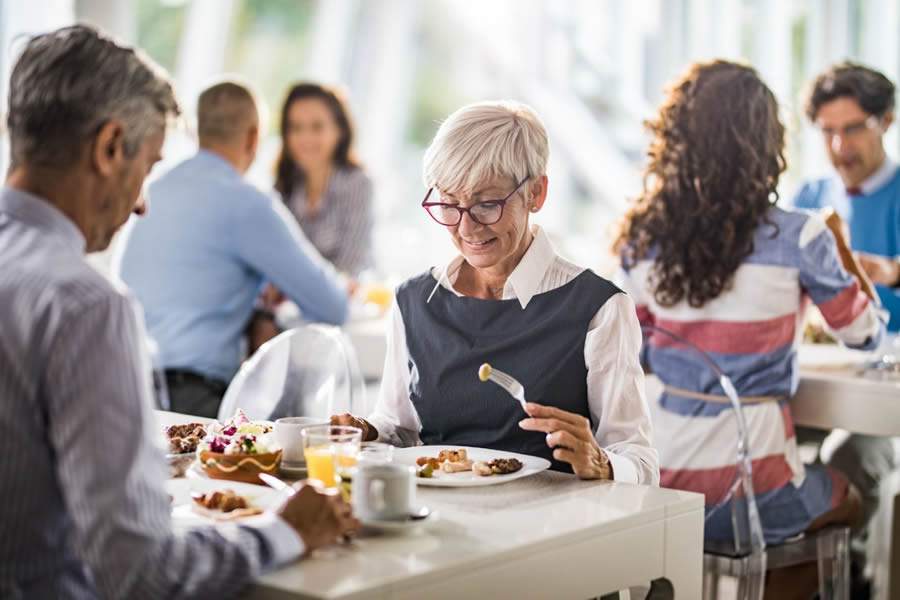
column 504, row 380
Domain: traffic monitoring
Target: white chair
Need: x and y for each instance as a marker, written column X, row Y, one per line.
column 309, row 371
column 746, row 557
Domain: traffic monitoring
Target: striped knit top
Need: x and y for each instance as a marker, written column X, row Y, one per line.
column 341, row 226
column 751, row 330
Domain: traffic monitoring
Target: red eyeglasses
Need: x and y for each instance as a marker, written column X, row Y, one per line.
column 484, row 213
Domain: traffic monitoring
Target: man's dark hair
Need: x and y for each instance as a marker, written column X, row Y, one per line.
column 872, row 90
column 67, row 83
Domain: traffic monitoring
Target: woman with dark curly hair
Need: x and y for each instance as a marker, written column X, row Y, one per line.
column 707, row 254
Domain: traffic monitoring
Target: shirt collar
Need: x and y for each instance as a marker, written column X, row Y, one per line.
column 215, row 161
column 39, row 213
column 525, row 280
column 880, row 177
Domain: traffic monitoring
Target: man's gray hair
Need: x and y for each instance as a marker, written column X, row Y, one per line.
column 484, row 141
column 70, row 82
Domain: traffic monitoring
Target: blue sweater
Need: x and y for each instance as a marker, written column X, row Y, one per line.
column 874, row 221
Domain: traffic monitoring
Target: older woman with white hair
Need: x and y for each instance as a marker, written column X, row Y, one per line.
column 571, row 337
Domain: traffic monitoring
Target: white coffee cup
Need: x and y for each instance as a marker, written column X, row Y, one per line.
column 287, row 435
column 384, row 492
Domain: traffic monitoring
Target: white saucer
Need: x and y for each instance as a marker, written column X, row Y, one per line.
column 400, row 527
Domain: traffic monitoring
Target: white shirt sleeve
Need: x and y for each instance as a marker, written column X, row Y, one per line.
column 395, row 417
column 616, row 396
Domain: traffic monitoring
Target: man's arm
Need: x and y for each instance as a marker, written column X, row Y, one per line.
column 110, row 475
column 270, row 241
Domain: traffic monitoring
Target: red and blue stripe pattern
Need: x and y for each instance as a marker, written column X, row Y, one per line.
column 751, row 331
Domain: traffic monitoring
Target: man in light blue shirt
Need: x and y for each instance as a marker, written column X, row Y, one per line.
column 208, row 245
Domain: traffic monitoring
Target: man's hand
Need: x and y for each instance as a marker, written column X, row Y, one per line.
column 880, row 269
column 319, row 517
column 572, row 439
column 369, row 433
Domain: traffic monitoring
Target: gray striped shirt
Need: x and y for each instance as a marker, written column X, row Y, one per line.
column 84, row 512
column 341, row 226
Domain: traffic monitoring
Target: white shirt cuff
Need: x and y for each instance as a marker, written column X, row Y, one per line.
column 623, row 468
column 286, row 544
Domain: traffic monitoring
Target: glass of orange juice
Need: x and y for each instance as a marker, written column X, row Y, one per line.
column 330, row 452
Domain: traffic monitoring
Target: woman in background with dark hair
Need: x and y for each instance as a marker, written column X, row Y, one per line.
column 320, row 179
column 707, row 254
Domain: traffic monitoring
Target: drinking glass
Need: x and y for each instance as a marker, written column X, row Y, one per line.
column 330, row 450
column 376, row 453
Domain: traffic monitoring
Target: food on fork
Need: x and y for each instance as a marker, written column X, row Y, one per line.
column 484, row 372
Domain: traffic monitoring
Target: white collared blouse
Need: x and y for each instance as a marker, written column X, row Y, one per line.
column 615, row 378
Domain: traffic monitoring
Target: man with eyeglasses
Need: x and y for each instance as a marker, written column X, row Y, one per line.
column 853, row 107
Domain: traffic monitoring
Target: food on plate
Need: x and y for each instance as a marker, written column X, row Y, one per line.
column 484, row 372
column 185, row 438
column 816, row 334
column 451, row 466
column 239, row 449
column 239, row 435
column 227, row 502
column 452, row 455
column 458, row 461
column 429, row 461
column 498, row 466
column 482, row 468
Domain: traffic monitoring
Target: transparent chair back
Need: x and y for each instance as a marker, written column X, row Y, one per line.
column 310, row 371
column 740, row 501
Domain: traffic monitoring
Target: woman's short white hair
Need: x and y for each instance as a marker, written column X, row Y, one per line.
column 484, row 141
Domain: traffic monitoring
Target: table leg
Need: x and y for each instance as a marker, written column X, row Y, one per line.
column 683, row 554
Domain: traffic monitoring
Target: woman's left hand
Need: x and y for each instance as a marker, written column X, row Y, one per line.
column 570, row 436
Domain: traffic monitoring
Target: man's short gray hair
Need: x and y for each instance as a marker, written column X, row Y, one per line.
column 485, row 141
column 70, row 82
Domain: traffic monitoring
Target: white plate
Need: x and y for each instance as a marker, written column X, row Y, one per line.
column 400, row 527
column 183, row 513
column 530, row 466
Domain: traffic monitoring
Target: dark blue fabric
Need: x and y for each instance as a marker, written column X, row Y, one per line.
column 542, row 346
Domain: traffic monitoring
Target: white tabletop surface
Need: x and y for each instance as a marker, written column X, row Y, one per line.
column 834, row 393
column 523, row 539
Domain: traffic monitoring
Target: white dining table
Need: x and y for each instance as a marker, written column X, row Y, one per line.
column 836, row 393
column 550, row 535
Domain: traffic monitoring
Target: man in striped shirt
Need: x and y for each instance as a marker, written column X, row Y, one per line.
column 84, row 511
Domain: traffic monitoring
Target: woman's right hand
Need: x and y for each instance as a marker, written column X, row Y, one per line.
column 369, row 433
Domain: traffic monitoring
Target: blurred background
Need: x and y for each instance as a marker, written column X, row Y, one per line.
column 593, row 69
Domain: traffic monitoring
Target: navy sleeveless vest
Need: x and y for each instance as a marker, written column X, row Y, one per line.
column 542, row 346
